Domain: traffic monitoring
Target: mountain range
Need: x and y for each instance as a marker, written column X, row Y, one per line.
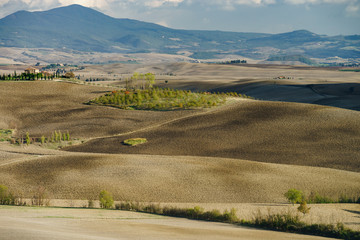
column 84, row 29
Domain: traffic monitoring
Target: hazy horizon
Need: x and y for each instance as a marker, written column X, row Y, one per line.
column 330, row 17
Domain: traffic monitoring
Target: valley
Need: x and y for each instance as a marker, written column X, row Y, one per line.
column 246, row 151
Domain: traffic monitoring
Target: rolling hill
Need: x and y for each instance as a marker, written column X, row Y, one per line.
column 79, row 28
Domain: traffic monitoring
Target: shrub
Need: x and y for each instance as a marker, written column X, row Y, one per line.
column 27, row 139
column 39, row 197
column 91, row 204
column 135, row 141
column 294, row 196
column 287, row 222
column 4, row 195
column 230, row 216
column 303, row 208
column 106, row 199
column 153, row 208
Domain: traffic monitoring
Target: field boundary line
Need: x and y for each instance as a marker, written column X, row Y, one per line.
column 232, row 102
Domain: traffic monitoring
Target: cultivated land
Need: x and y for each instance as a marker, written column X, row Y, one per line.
column 49, row 223
column 246, row 151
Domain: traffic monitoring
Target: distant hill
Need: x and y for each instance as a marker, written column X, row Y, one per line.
column 84, row 29
column 292, row 58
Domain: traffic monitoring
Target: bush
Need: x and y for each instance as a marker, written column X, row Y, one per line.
column 287, row 222
column 91, row 204
column 106, row 199
column 4, row 195
column 135, row 141
column 294, row 196
column 39, row 197
column 303, row 208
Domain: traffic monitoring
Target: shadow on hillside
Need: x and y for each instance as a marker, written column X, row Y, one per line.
column 342, row 95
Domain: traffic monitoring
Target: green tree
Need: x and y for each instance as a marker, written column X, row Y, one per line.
column 27, row 138
column 135, row 78
column 294, row 196
column 69, row 75
column 56, row 136
column 106, row 199
column 3, row 194
column 67, row 136
column 150, row 79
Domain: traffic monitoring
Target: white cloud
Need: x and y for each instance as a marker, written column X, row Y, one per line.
column 163, row 23
column 159, row 3
column 224, row 4
column 88, row 3
column 320, row 1
column 353, row 8
column 136, row 8
column 3, row 2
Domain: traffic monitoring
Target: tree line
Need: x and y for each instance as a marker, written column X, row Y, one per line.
column 25, row 77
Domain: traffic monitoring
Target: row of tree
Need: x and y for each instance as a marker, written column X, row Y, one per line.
column 26, row 77
column 34, row 76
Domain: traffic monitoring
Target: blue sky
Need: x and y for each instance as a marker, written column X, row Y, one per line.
column 330, row 17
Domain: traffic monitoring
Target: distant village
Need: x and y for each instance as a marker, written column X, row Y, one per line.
column 43, row 73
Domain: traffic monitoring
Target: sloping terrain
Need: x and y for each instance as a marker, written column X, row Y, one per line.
column 286, row 133
column 184, row 179
column 43, row 107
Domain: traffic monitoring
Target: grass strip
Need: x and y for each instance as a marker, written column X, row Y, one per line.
column 285, row 222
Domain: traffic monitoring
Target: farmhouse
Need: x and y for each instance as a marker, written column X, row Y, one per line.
column 31, row 70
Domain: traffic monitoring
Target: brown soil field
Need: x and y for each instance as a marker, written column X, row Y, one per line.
column 248, row 151
column 287, row 133
column 147, row 178
column 59, row 223
column 44, row 106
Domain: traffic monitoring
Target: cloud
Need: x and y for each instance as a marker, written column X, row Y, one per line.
column 168, row 10
column 3, row 2
column 223, row 4
column 159, row 3
column 320, row 1
column 353, row 8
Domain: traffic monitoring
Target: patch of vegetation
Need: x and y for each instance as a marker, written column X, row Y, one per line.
column 106, row 199
column 294, row 196
column 135, row 141
column 55, row 140
column 303, row 208
column 286, row 222
column 9, row 198
column 161, row 99
column 297, row 196
column 349, row 70
column 26, row 77
column 39, row 197
column 315, row 197
column 238, row 61
column 204, row 55
column 298, row 58
column 5, row 134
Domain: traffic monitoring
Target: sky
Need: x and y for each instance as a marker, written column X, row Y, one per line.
column 330, row 17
